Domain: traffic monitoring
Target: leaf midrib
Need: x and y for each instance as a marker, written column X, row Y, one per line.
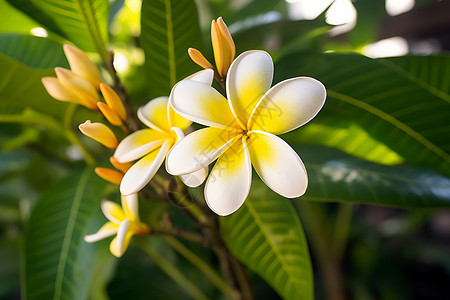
column 279, row 256
column 74, row 209
column 390, row 119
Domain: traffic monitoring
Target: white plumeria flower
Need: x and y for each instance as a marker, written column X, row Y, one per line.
column 123, row 221
column 242, row 131
column 151, row 145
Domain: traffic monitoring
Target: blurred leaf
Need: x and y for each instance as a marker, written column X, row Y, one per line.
column 84, row 22
column 57, row 262
column 338, row 177
column 169, row 28
column 9, row 272
column 410, row 119
column 21, row 86
column 429, row 72
column 266, row 235
column 281, row 36
column 344, row 135
column 13, row 20
column 370, row 14
column 254, row 8
column 37, row 14
column 35, row 52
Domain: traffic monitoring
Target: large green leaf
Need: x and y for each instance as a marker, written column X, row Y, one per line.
column 57, row 262
column 169, row 28
column 35, row 52
column 21, row 86
column 28, row 8
column 266, row 235
column 338, row 177
column 409, row 118
column 84, row 22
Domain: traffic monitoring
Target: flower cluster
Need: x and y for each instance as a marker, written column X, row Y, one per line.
column 240, row 131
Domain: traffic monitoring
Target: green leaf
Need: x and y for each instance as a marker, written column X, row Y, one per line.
column 35, row 52
column 338, row 177
column 57, row 262
column 84, row 22
column 35, row 13
column 169, row 28
column 346, row 136
column 409, row 118
column 266, row 235
column 21, row 86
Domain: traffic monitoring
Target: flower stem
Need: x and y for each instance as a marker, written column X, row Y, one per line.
column 72, row 137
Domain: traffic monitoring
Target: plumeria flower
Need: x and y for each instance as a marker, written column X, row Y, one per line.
column 243, row 131
column 151, row 145
column 123, row 221
column 99, row 132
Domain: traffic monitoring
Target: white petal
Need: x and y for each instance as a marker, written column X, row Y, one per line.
column 138, row 144
column 277, row 164
column 198, row 149
column 130, row 206
column 120, row 243
column 201, row 103
column 204, row 76
column 105, row 231
column 249, row 78
column 229, row 183
column 196, row 178
column 288, row 105
column 175, row 120
column 112, row 211
column 154, row 114
column 143, row 170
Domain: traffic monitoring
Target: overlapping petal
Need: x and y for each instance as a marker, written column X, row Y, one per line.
column 138, row 144
column 196, row 178
column 199, row 149
column 201, row 103
column 229, row 183
column 130, row 207
column 249, row 78
column 120, row 243
column 288, row 105
column 277, row 164
column 112, row 211
column 143, row 170
column 154, row 114
column 175, row 120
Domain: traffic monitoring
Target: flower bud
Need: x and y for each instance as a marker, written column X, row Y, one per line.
column 109, row 175
column 223, row 46
column 61, row 93
column 82, row 65
column 99, row 132
column 113, row 100
column 78, row 85
column 199, row 59
column 109, row 114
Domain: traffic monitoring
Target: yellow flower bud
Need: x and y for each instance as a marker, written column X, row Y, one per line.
column 199, row 59
column 113, row 100
column 123, row 167
column 61, row 93
column 82, row 65
column 99, row 132
column 109, row 175
column 109, row 114
column 78, row 85
column 223, row 46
